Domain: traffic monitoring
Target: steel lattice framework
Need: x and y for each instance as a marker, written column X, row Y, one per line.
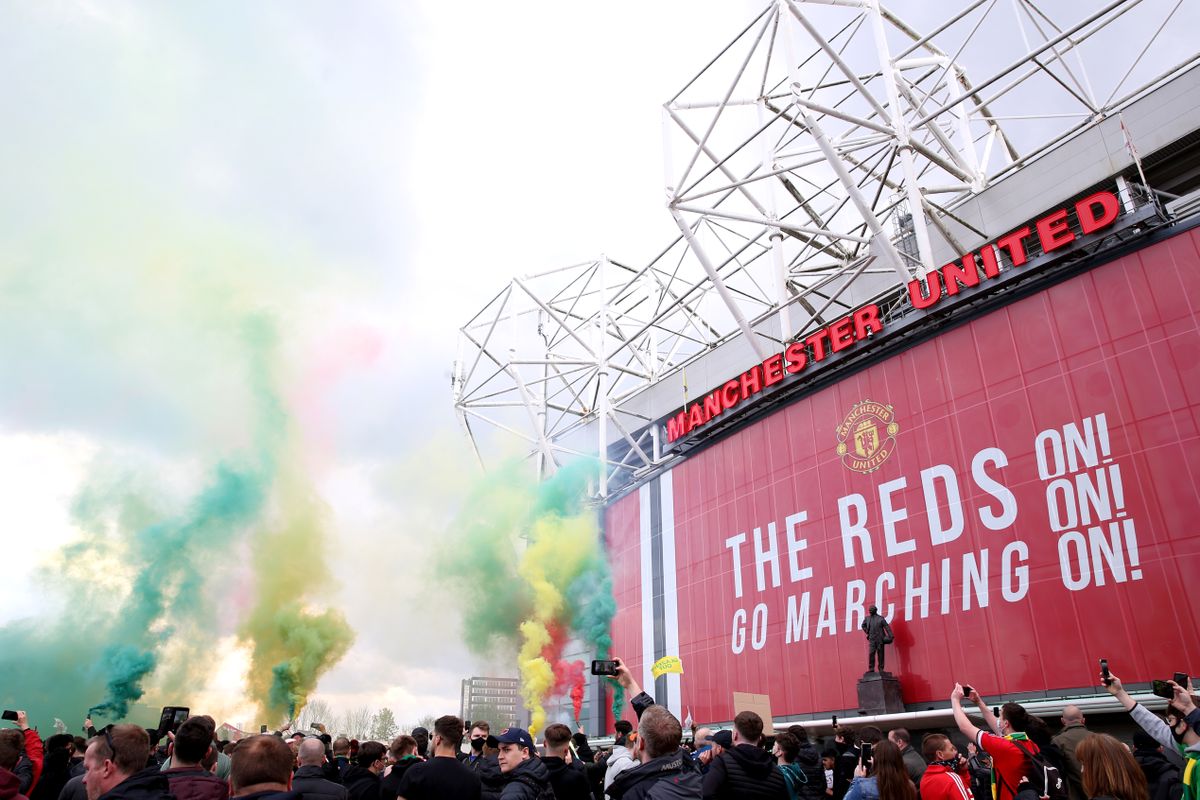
column 815, row 163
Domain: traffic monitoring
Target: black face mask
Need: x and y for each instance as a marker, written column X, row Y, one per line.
column 1177, row 735
column 477, row 744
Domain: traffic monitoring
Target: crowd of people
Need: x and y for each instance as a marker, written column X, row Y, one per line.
column 1014, row 756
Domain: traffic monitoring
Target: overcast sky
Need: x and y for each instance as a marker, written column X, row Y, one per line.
column 373, row 172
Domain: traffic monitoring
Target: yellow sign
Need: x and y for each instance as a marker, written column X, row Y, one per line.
column 867, row 436
column 665, row 665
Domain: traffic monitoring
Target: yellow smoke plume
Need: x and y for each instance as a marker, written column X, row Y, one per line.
column 559, row 549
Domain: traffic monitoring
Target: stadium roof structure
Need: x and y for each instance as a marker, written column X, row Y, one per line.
column 828, row 155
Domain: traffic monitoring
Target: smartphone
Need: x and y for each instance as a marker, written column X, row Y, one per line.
column 996, row 711
column 1181, row 678
column 262, row 728
column 604, row 667
column 835, row 722
column 867, row 752
column 1104, row 672
column 967, row 690
column 9, row 715
column 1162, row 689
column 171, row 718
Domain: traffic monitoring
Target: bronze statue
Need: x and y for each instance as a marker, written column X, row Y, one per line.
column 879, row 633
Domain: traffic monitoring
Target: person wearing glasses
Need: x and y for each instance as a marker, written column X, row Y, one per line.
column 115, row 767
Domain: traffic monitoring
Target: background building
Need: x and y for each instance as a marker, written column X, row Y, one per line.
column 497, row 700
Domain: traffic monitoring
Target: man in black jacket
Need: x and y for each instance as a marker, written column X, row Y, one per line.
column 745, row 771
column 1162, row 777
column 310, row 780
column 569, row 782
column 442, row 777
column 526, row 777
column 115, row 767
column 362, row 780
column 666, row 771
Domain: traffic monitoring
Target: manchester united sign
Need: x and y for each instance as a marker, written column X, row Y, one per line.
column 867, row 436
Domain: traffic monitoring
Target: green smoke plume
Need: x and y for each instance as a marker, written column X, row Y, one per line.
column 292, row 641
column 488, row 561
column 147, row 572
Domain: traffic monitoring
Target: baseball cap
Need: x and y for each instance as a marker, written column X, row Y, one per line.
column 515, row 736
column 723, row 738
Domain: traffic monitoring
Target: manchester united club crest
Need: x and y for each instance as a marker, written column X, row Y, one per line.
column 867, row 436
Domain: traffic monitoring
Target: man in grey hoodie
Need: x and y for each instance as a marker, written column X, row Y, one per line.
column 621, row 757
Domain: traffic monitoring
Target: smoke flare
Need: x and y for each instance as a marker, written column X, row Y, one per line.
column 528, row 557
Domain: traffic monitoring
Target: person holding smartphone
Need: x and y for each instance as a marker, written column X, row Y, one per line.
column 851, row 757
column 1010, row 746
column 28, row 745
column 881, row 775
column 1178, row 735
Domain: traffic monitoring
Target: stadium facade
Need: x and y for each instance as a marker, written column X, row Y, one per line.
column 959, row 381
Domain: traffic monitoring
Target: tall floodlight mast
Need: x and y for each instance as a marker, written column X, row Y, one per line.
column 824, row 158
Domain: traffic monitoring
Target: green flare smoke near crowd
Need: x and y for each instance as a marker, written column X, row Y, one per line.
column 529, row 560
column 197, row 311
column 162, row 569
column 156, row 622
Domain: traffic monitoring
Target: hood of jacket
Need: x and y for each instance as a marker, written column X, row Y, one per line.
column 1153, row 763
column 756, row 762
column 619, row 751
column 196, row 783
column 532, row 768
column 357, row 774
column 149, row 784
column 678, row 763
column 310, row 771
column 271, row 795
column 808, row 757
column 10, row 785
column 554, row 765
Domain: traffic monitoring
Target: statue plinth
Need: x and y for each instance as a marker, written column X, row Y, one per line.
column 879, row 693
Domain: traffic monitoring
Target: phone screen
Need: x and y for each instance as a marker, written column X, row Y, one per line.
column 1162, row 689
column 1181, row 678
column 604, row 667
column 10, row 715
column 867, row 752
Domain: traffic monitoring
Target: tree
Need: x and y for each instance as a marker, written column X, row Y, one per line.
column 383, row 725
column 356, row 722
column 315, row 710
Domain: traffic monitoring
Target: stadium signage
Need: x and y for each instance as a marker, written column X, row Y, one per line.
column 1094, row 213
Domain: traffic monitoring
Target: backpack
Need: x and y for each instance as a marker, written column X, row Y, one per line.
column 1168, row 787
column 1043, row 776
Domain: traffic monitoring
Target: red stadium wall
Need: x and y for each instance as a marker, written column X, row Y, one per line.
column 1068, row 423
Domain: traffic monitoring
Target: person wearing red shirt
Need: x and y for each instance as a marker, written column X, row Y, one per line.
column 29, row 770
column 1009, row 762
column 946, row 777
